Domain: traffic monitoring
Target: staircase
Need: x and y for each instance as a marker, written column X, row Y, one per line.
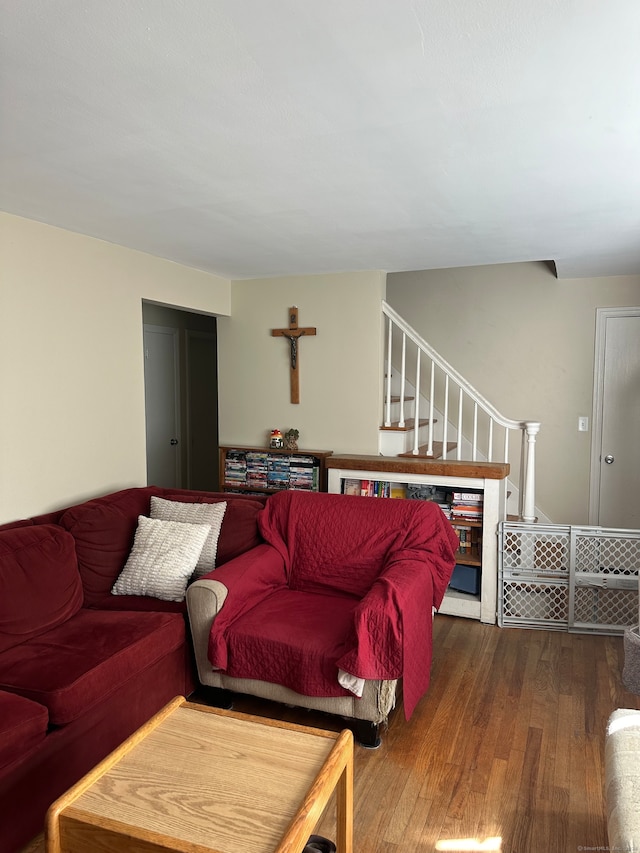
column 454, row 421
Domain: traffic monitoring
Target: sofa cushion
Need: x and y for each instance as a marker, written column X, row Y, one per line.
column 103, row 530
column 140, row 603
column 23, row 725
column 239, row 530
column 40, row 585
column 294, row 639
column 194, row 513
column 87, row 658
column 163, row 558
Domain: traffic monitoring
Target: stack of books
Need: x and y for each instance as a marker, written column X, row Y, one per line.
column 466, row 506
column 257, row 469
column 304, row 473
column 278, row 471
column 235, row 468
column 464, row 538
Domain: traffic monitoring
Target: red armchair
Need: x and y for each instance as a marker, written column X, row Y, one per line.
column 333, row 610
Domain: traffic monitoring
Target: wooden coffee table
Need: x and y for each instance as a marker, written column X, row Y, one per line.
column 198, row 779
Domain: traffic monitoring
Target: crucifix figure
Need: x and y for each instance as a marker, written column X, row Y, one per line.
column 293, row 334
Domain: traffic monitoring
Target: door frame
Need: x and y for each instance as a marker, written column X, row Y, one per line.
column 602, row 315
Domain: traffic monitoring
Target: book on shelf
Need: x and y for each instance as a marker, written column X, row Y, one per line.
column 398, row 490
column 465, row 513
column 464, row 538
column 350, row 486
column 466, row 497
column 446, row 509
column 368, row 488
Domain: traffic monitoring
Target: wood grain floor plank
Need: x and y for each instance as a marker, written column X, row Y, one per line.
column 507, row 743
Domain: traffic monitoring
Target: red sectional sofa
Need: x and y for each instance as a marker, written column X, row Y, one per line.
column 80, row 668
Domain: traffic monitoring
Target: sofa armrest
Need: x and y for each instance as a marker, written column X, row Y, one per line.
column 218, row 598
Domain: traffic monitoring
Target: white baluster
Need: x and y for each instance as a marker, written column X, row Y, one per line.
column 490, row 453
column 445, row 415
column 431, row 395
column 460, row 401
column 416, row 408
column 474, row 447
column 387, row 408
column 403, row 379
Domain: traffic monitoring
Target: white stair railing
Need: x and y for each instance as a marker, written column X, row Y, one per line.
column 478, row 422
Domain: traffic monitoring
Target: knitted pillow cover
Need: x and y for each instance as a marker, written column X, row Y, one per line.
column 162, row 559
column 194, row 513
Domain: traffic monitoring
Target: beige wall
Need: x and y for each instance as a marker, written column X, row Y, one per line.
column 71, row 368
column 72, row 381
column 525, row 340
column 340, row 383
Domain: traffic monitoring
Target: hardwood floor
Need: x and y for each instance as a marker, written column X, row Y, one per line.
column 507, row 744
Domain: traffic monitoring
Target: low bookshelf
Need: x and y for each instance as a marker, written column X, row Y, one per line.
column 476, row 574
column 267, row 470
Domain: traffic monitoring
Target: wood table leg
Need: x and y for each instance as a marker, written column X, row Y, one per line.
column 344, row 809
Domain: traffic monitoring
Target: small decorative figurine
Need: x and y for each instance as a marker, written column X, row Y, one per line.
column 276, row 441
column 291, row 439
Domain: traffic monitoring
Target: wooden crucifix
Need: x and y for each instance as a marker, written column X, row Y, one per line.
column 293, row 333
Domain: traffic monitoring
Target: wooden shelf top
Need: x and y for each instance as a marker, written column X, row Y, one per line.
column 321, row 454
column 419, row 465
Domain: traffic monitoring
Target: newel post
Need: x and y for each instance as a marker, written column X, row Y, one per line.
column 528, row 513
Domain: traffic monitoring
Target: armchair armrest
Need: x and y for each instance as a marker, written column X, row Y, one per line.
column 401, row 596
column 218, row 598
column 392, row 627
column 205, row 598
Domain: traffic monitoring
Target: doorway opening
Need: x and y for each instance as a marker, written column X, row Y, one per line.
column 181, row 397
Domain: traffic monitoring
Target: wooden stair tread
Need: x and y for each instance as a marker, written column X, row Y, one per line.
column 396, row 399
column 422, row 451
column 409, row 424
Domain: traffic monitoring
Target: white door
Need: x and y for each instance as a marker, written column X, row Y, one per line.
column 162, row 405
column 615, row 468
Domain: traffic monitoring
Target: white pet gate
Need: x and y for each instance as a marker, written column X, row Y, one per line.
column 566, row 577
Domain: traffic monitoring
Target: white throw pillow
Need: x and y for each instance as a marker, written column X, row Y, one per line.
column 211, row 514
column 162, row 559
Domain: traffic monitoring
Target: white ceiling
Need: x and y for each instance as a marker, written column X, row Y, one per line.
column 270, row 137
